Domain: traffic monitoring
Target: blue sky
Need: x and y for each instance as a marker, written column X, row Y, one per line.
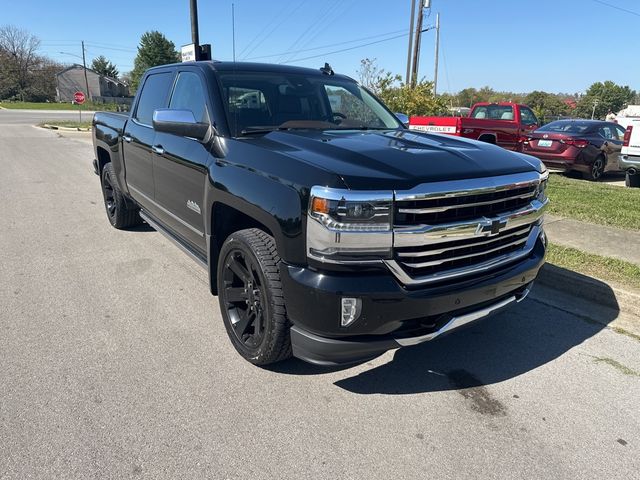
column 517, row 45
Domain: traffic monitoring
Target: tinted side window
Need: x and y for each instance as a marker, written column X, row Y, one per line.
column 153, row 96
column 189, row 95
column 527, row 116
column 620, row 131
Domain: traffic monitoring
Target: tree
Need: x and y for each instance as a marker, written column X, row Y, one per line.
column 419, row 100
column 18, row 58
column 154, row 49
column 104, row 67
column 604, row 96
column 397, row 95
column 546, row 104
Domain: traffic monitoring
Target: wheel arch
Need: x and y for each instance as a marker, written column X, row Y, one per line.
column 226, row 220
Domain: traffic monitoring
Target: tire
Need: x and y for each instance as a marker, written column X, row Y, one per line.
column 596, row 169
column 632, row 181
column 120, row 213
column 251, row 299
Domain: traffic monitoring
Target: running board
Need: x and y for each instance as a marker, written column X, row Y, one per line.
column 197, row 257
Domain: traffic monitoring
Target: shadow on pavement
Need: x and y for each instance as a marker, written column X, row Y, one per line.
column 492, row 350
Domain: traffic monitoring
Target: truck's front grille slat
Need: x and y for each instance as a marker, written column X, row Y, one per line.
column 455, row 245
column 439, row 235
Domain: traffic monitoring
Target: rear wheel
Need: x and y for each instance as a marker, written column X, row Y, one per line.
column 120, row 213
column 251, row 298
column 595, row 170
column 632, row 181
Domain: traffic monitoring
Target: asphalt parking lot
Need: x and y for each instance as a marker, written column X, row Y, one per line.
column 115, row 364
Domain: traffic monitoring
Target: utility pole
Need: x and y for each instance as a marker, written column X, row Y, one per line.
column 409, row 50
column 416, row 47
column 195, row 37
column 435, row 73
column 86, row 81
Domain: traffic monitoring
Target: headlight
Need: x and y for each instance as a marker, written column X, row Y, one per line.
column 542, row 187
column 345, row 226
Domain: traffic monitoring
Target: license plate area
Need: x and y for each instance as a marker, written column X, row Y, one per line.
column 545, row 143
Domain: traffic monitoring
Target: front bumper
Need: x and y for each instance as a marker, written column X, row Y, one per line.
column 392, row 316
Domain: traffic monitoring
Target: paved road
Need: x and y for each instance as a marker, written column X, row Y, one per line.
column 115, row 364
column 33, row 117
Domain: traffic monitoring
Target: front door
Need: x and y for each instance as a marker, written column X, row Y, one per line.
column 180, row 165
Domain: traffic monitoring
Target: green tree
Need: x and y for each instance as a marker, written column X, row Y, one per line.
column 154, row 49
column 104, row 67
column 397, row 95
column 605, row 96
column 546, row 104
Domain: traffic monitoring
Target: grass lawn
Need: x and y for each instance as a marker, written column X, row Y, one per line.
column 594, row 202
column 604, row 268
column 57, row 106
column 67, row 123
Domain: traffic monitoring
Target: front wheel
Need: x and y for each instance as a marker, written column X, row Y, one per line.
column 251, row 298
column 595, row 170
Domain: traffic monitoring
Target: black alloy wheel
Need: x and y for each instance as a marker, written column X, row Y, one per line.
column 109, row 195
column 122, row 213
column 243, row 297
column 251, row 297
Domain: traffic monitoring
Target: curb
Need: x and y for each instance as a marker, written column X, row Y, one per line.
column 66, row 129
column 589, row 289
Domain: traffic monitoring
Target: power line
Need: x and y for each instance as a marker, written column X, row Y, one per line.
column 347, row 49
column 283, row 20
column 617, row 8
column 310, row 30
column 327, row 46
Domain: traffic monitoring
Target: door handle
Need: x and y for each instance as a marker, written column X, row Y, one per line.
column 127, row 138
column 158, row 149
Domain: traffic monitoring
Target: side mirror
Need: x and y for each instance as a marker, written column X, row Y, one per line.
column 179, row 122
column 404, row 118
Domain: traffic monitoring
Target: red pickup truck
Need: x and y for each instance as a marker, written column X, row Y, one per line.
column 506, row 124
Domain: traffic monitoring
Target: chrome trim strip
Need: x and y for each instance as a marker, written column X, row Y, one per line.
column 462, row 257
column 405, row 279
column 351, row 195
column 461, row 320
column 472, row 186
column 160, row 207
column 420, row 235
column 502, row 236
column 160, row 229
column 464, row 205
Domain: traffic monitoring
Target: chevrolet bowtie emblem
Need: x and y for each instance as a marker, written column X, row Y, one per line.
column 490, row 227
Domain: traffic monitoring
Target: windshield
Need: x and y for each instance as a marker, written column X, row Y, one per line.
column 259, row 102
column 566, row 127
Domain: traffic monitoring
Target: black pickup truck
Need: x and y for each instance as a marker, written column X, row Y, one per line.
column 329, row 231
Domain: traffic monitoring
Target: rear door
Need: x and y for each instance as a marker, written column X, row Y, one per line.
column 181, row 164
column 139, row 135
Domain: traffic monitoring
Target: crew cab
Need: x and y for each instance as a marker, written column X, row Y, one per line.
column 329, row 231
column 505, row 124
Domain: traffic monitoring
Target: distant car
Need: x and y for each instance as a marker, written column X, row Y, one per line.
column 591, row 147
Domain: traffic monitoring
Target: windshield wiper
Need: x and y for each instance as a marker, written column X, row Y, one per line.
column 258, row 131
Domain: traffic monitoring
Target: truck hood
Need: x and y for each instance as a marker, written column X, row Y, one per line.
column 395, row 159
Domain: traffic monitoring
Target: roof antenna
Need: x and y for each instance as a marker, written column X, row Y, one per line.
column 327, row 70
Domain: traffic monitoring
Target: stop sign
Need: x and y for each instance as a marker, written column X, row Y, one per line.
column 78, row 97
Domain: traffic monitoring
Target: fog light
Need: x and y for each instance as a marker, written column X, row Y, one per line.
column 351, row 308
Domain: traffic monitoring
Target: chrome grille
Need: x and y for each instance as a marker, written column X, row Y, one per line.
column 448, row 230
column 457, row 208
